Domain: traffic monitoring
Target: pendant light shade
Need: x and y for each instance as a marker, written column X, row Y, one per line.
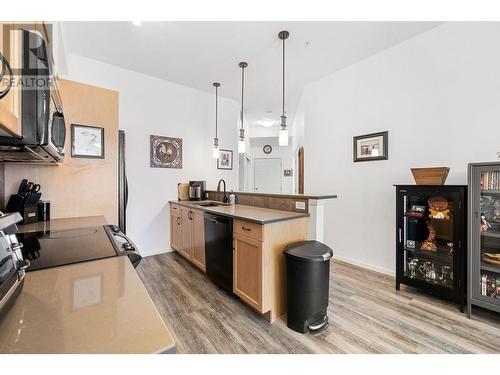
column 242, row 142
column 283, row 135
column 242, row 146
column 215, row 148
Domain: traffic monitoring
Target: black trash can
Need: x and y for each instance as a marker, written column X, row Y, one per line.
column 307, row 279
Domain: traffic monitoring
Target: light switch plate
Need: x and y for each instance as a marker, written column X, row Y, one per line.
column 300, row 205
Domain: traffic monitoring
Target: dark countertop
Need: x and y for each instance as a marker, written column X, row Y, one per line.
column 249, row 213
column 282, row 195
column 63, row 224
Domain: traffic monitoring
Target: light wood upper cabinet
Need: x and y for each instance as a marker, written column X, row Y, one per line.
column 247, row 271
column 11, row 48
column 198, row 240
column 187, row 233
column 10, row 105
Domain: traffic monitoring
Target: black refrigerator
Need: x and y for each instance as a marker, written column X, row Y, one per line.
column 122, row 183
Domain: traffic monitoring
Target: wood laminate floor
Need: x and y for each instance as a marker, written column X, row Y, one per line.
column 367, row 315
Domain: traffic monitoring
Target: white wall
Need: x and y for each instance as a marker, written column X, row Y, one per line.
column 284, row 153
column 438, row 96
column 297, row 133
column 153, row 106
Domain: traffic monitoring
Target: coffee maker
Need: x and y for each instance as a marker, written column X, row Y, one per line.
column 197, row 190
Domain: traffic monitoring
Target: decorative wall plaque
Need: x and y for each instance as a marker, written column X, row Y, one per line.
column 166, row 152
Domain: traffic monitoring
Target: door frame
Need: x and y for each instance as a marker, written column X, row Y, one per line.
column 300, row 169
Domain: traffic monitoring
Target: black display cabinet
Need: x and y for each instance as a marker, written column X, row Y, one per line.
column 431, row 240
column 484, row 236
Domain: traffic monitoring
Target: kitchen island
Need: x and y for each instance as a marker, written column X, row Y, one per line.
column 96, row 306
column 259, row 237
column 313, row 204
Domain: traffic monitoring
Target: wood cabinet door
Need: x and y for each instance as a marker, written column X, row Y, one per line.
column 10, row 105
column 186, row 248
column 175, row 232
column 199, row 240
column 247, row 270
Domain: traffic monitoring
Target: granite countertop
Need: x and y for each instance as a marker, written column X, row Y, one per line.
column 281, row 195
column 93, row 307
column 249, row 213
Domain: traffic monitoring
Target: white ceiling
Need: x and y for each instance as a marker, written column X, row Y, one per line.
column 196, row 54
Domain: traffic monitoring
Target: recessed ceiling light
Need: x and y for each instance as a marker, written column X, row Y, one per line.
column 137, row 23
column 267, row 123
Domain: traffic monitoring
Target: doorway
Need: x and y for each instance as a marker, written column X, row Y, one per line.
column 267, row 175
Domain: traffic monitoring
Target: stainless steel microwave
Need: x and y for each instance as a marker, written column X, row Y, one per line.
column 43, row 129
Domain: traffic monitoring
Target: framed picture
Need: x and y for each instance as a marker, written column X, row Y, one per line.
column 371, row 147
column 166, row 152
column 225, row 160
column 87, row 141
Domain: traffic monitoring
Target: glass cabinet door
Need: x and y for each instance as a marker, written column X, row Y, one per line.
column 428, row 240
column 486, row 234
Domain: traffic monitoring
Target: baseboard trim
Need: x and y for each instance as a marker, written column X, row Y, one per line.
column 370, row 267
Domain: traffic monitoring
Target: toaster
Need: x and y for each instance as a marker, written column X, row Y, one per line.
column 12, row 264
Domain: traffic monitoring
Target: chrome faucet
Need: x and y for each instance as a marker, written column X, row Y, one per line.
column 225, row 199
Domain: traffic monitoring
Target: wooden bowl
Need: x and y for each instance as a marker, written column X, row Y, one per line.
column 430, row 176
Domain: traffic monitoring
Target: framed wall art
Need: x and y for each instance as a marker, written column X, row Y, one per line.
column 369, row 147
column 225, row 160
column 166, row 152
column 87, row 141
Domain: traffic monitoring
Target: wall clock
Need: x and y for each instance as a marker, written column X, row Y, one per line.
column 267, row 149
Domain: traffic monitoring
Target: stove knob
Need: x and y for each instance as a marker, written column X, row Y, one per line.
column 127, row 246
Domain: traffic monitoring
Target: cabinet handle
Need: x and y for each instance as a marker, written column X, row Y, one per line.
column 190, row 215
column 247, row 229
column 399, row 235
column 178, row 223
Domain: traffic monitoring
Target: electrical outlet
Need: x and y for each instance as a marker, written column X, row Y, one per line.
column 300, row 205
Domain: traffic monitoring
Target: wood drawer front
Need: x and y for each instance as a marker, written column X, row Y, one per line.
column 175, row 209
column 247, row 271
column 248, row 229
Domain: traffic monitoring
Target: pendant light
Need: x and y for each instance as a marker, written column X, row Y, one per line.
column 215, row 148
column 242, row 143
column 283, row 135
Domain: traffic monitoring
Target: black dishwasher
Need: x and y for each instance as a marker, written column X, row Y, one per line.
column 219, row 250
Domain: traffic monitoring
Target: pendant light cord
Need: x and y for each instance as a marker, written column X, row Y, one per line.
column 283, row 110
column 242, row 93
column 216, row 108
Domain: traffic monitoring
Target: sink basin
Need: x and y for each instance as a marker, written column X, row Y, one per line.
column 210, row 204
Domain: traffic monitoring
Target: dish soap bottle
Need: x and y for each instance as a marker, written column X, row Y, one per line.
column 232, row 199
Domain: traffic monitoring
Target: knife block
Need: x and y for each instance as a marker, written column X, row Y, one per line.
column 30, row 214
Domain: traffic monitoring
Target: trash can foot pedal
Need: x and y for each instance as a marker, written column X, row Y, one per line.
column 319, row 326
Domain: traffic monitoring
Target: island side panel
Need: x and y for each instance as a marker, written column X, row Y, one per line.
column 276, row 237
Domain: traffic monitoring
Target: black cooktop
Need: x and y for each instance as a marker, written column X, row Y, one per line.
column 53, row 248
